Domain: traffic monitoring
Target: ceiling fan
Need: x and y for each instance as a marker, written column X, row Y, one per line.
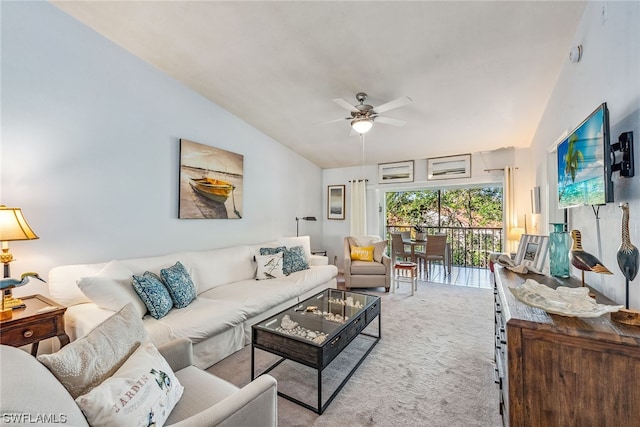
column 363, row 115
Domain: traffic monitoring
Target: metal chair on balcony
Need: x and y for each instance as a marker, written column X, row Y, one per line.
column 435, row 250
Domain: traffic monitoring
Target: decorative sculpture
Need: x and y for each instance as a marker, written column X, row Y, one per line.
column 582, row 260
column 627, row 253
column 8, row 301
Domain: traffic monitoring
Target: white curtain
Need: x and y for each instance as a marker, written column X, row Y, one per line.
column 358, row 207
column 510, row 212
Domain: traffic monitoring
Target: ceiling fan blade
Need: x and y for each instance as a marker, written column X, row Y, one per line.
column 392, row 104
column 335, row 120
column 389, row 121
column 345, row 104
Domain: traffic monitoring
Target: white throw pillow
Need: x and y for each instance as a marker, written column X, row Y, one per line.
column 85, row 363
column 366, row 240
column 112, row 288
column 142, row 392
column 269, row 266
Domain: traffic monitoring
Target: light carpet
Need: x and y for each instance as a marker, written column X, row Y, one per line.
column 432, row 367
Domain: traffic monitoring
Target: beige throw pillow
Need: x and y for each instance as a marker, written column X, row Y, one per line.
column 142, row 392
column 87, row 362
column 378, row 250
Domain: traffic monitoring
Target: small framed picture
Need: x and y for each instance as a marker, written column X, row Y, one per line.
column 532, row 251
column 395, row 172
column 335, row 201
column 449, row 167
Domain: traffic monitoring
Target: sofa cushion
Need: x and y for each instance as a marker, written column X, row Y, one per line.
column 143, row 391
column 364, row 267
column 253, row 298
column 112, row 288
column 179, row 285
column 87, row 362
column 269, row 266
column 219, row 267
column 203, row 318
column 362, row 253
column 153, row 293
column 294, row 260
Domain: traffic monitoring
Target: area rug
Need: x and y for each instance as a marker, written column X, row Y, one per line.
column 432, row 367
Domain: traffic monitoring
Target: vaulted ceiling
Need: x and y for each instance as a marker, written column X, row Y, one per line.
column 479, row 73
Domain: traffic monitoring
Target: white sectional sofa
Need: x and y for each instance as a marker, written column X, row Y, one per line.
column 229, row 298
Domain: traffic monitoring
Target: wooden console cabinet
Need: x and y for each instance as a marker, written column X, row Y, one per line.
column 563, row 371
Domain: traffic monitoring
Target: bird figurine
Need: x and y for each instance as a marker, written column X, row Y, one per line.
column 627, row 253
column 582, row 260
column 8, row 302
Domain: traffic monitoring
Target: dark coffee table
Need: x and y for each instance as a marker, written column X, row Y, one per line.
column 315, row 331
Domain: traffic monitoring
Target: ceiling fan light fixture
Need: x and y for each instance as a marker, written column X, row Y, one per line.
column 363, row 125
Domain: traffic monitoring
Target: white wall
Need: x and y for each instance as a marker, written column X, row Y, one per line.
column 90, row 152
column 608, row 72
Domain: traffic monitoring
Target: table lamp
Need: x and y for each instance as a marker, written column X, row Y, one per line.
column 13, row 226
column 514, row 235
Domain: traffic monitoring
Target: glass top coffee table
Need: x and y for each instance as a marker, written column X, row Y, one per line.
column 315, row 331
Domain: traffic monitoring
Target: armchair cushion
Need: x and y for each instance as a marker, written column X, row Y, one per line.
column 367, row 268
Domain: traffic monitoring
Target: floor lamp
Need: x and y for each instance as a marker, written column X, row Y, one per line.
column 305, row 218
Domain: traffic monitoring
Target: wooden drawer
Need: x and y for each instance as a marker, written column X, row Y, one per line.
column 29, row 332
column 372, row 312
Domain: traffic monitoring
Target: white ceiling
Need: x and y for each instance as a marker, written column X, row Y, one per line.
column 479, row 73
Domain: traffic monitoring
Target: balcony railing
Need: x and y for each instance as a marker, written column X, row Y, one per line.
column 470, row 245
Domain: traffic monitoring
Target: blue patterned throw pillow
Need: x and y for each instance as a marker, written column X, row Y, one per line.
column 271, row 251
column 179, row 285
column 153, row 293
column 294, row 260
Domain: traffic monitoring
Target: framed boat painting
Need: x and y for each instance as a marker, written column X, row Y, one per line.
column 210, row 182
column 335, row 202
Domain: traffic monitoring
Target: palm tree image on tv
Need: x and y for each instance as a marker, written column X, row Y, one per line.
column 581, row 163
column 573, row 159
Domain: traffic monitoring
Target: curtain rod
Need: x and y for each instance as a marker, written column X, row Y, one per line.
column 358, row 180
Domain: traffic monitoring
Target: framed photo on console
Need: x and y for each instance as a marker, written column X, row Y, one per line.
column 532, row 251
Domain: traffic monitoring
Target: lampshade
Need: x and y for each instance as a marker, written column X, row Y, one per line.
column 362, row 125
column 515, row 233
column 13, row 226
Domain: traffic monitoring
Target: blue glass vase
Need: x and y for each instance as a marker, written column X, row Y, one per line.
column 559, row 241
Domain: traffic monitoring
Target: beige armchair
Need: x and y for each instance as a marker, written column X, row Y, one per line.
column 367, row 274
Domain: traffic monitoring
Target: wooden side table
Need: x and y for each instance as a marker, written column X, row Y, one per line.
column 42, row 318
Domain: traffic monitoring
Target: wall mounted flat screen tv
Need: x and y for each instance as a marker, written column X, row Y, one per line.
column 584, row 163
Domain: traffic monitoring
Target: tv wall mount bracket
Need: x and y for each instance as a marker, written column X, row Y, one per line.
column 624, row 146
